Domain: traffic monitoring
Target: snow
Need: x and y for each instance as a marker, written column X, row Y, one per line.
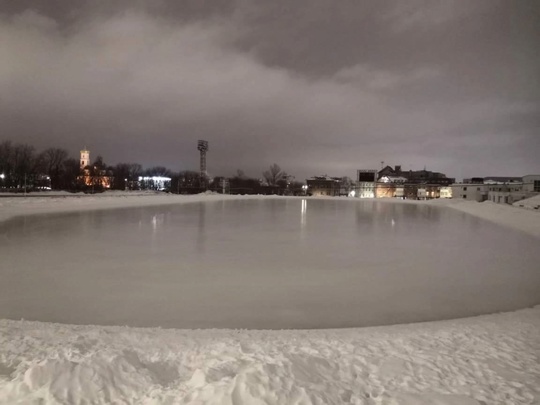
column 532, row 203
column 507, row 215
column 490, row 359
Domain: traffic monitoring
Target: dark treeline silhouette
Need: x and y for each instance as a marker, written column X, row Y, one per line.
column 22, row 168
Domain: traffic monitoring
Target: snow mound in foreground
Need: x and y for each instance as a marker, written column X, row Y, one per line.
column 483, row 360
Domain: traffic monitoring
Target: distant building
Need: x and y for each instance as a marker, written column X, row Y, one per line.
column 501, row 180
column 416, row 176
column 531, row 183
column 158, row 183
column 324, row 186
column 366, row 181
column 393, row 182
column 93, row 176
column 500, row 190
column 470, row 191
column 514, row 190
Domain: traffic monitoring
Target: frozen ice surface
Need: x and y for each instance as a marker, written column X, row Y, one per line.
column 491, row 359
column 264, row 264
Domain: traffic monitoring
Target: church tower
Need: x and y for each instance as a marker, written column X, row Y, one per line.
column 85, row 158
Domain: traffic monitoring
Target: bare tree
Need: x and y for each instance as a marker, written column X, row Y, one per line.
column 158, row 171
column 51, row 161
column 126, row 175
column 99, row 164
column 23, row 164
column 121, row 175
column 135, row 170
column 274, row 175
column 6, row 163
column 187, row 182
column 70, row 172
column 347, row 184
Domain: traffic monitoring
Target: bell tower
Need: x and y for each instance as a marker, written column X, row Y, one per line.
column 85, row 158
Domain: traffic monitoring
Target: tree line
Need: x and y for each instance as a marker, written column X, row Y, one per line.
column 23, row 168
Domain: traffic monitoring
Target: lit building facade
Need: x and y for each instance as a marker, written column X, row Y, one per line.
column 324, row 186
column 93, row 176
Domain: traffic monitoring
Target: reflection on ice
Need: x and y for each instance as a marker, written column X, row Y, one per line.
column 303, row 213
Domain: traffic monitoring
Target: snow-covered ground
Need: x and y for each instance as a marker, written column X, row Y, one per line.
column 492, row 359
column 532, row 203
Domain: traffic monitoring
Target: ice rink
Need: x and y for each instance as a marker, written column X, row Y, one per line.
column 264, row 264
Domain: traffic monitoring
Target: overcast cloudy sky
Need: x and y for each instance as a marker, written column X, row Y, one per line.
column 319, row 87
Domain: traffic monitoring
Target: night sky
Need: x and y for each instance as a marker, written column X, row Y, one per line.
column 319, row 87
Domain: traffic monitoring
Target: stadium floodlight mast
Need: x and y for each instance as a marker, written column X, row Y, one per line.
column 202, row 147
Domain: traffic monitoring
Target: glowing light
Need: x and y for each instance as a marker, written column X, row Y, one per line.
column 154, row 178
column 158, row 181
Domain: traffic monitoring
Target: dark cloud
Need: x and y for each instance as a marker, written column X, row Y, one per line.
column 316, row 86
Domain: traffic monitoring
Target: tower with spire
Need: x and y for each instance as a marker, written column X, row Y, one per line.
column 85, row 158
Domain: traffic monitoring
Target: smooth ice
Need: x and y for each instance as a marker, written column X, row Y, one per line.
column 269, row 263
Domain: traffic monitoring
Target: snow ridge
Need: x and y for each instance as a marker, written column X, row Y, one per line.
column 490, row 359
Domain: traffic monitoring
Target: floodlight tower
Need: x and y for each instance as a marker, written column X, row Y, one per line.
column 202, row 147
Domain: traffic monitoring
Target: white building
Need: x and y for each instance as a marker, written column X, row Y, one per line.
column 158, row 183
column 531, row 183
column 500, row 190
column 509, row 193
column 470, row 191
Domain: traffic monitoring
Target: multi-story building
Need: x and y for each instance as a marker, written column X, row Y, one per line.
column 366, row 181
column 324, row 186
column 469, row 190
column 500, row 190
column 511, row 192
column 531, row 183
column 420, row 184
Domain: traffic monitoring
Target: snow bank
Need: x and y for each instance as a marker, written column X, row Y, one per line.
column 484, row 360
column 510, row 216
column 54, row 203
column 491, row 359
column 532, row 203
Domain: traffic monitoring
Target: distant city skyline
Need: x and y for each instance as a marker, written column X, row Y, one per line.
column 318, row 87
